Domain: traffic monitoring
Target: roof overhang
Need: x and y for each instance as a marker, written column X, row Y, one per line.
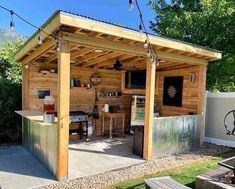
column 60, row 18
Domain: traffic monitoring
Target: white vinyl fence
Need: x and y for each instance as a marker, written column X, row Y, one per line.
column 217, row 106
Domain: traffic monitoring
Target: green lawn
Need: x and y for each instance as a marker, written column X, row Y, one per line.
column 184, row 174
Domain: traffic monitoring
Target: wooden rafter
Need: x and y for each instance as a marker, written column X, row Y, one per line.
column 40, row 51
column 104, row 44
column 125, row 48
column 103, row 58
column 112, row 61
column 81, row 52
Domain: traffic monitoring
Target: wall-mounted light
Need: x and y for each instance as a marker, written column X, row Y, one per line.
column 58, row 46
column 98, row 50
column 26, row 66
column 39, row 38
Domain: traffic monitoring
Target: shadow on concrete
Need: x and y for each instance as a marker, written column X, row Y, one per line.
column 19, row 169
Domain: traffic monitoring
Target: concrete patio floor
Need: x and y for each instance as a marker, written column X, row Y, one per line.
column 99, row 155
column 19, row 170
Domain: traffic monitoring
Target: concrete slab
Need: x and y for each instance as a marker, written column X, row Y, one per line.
column 99, row 155
column 19, row 170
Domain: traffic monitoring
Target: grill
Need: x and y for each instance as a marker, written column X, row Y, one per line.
column 78, row 116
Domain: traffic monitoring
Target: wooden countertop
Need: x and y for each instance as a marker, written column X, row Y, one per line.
column 35, row 116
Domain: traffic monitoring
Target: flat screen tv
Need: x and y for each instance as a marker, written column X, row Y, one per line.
column 135, row 79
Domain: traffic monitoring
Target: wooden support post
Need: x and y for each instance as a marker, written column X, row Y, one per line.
column 63, row 110
column 149, row 108
column 201, row 98
column 25, row 88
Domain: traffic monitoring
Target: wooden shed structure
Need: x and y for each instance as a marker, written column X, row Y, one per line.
column 88, row 46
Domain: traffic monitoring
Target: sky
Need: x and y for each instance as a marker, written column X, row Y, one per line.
column 38, row 11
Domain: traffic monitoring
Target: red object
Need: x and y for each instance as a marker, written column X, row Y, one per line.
column 49, row 108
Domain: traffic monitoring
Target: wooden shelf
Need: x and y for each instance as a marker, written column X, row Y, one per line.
column 82, row 89
column 105, row 97
column 133, row 91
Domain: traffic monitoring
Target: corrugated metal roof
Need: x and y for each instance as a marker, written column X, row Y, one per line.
column 135, row 30
column 112, row 24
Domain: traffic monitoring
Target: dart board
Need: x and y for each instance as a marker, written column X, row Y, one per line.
column 173, row 88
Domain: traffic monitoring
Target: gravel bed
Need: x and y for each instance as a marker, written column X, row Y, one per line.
column 108, row 178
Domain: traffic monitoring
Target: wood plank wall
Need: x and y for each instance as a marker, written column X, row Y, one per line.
column 190, row 92
column 39, row 81
column 81, row 98
column 84, row 99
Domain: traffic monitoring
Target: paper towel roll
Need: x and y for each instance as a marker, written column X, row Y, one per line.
column 106, row 108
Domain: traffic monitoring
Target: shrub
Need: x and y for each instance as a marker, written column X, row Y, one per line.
column 10, row 100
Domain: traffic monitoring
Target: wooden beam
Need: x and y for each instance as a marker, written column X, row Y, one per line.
column 25, row 88
column 50, row 26
column 175, row 67
column 123, row 73
column 68, row 19
column 39, row 51
column 63, row 110
column 180, row 58
column 103, row 44
column 168, row 64
column 149, row 108
column 201, row 99
column 125, row 48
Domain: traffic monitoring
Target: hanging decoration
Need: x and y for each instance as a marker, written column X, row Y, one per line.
column 40, row 30
column 96, row 79
column 12, row 24
column 151, row 53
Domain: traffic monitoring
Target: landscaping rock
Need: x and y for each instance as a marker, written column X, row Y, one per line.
column 108, row 178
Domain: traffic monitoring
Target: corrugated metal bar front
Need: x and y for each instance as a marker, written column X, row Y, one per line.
column 173, row 135
column 41, row 142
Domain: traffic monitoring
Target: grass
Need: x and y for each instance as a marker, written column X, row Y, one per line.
column 184, row 174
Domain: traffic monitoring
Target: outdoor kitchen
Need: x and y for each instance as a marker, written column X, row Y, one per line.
column 99, row 85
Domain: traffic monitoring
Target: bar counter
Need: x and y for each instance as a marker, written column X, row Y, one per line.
column 40, row 138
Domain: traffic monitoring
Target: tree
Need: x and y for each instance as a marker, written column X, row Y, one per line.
column 209, row 23
column 10, row 93
column 9, row 68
